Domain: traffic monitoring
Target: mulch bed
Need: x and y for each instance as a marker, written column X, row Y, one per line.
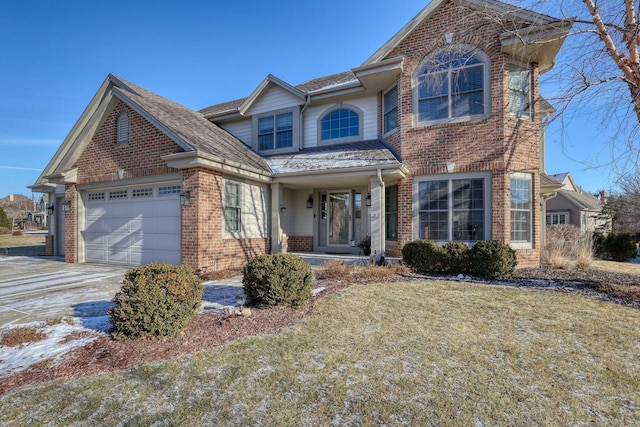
column 210, row 329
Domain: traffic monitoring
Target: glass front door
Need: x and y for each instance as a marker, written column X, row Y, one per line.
column 339, row 228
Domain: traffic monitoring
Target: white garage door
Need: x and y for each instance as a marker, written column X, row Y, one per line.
column 133, row 226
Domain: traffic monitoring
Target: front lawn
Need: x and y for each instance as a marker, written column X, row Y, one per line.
column 407, row 353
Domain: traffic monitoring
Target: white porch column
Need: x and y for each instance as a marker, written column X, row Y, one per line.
column 377, row 217
column 276, row 229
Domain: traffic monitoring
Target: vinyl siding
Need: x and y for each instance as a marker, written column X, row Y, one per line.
column 274, row 99
column 241, row 130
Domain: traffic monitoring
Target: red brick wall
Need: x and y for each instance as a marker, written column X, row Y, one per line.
column 48, row 245
column 70, row 224
column 498, row 144
column 300, row 243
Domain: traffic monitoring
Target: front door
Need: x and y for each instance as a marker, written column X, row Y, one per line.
column 340, row 225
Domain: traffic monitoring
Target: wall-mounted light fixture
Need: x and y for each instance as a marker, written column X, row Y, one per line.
column 185, row 198
column 66, row 206
column 283, row 209
column 367, row 201
column 310, row 201
column 50, row 209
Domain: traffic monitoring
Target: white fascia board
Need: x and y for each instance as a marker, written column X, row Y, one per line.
column 332, row 93
column 347, row 172
column 197, row 159
column 266, row 83
column 152, row 119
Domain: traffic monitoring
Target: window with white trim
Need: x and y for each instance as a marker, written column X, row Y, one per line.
column 520, row 91
column 391, row 212
column 123, row 128
column 452, row 85
column 232, row 211
column 340, row 124
column 275, row 131
column 390, row 109
column 454, row 208
column 521, row 204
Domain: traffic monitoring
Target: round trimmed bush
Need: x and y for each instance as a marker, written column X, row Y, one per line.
column 276, row 279
column 492, row 260
column 424, row 256
column 155, row 300
column 456, row 257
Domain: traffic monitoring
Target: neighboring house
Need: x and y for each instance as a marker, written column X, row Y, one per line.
column 437, row 135
column 572, row 205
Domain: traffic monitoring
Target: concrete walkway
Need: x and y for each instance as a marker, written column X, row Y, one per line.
column 39, row 288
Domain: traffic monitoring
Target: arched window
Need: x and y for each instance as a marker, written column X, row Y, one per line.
column 452, row 85
column 340, row 124
column 123, row 128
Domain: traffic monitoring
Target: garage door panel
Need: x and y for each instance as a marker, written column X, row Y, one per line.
column 133, row 231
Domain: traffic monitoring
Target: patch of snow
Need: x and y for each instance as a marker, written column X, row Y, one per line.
column 56, row 344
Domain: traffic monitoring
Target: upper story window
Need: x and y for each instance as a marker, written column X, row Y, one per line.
column 390, row 109
column 275, row 131
column 123, row 128
column 520, row 90
column 452, row 85
column 342, row 124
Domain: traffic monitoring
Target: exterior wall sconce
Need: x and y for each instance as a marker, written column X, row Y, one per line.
column 310, row 201
column 283, row 209
column 50, row 209
column 66, row 206
column 185, row 198
column 367, row 201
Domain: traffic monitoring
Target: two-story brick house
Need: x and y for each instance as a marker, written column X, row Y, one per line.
column 437, row 135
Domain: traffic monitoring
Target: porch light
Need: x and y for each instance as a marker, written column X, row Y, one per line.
column 310, row 201
column 185, row 198
column 50, row 209
column 367, row 201
column 241, row 298
column 66, row 206
column 283, row 209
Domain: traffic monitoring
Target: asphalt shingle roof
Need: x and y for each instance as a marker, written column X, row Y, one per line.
column 193, row 127
column 582, row 199
column 334, row 157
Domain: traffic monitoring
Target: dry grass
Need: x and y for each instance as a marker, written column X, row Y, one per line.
column 617, row 267
column 566, row 248
column 8, row 241
column 361, row 273
column 406, row 353
column 21, row 335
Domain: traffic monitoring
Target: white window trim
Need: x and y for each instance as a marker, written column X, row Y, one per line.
column 528, row 116
column 417, row 73
column 397, row 107
column 295, row 127
column 330, row 110
column 488, row 196
column 567, row 215
column 522, row 244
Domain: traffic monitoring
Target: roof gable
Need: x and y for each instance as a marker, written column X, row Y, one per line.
column 266, row 86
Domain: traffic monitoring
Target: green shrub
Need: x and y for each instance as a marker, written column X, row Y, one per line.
column 155, row 300
column 4, row 220
column 598, row 243
column 492, row 260
column 424, row 256
column 620, row 246
column 277, row 279
column 456, row 257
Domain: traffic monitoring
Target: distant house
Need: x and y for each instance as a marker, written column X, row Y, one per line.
column 572, row 205
column 437, row 135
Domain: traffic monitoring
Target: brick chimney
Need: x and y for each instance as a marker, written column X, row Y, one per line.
column 603, row 196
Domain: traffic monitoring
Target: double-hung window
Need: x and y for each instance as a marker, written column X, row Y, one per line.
column 452, row 85
column 232, row 211
column 275, row 131
column 390, row 109
column 521, row 204
column 557, row 219
column 520, row 91
column 453, row 209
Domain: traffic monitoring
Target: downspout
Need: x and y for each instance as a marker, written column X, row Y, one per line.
column 304, row 108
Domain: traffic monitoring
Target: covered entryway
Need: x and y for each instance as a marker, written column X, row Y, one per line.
column 134, row 225
column 340, row 223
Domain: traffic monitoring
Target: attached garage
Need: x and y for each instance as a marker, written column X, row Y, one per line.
column 133, row 225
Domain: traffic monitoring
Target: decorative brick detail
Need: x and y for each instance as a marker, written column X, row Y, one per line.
column 70, row 224
column 300, row 243
column 48, row 245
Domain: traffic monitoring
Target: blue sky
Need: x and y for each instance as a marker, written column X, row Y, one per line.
column 55, row 55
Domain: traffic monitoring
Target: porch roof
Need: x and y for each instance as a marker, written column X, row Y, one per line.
column 364, row 154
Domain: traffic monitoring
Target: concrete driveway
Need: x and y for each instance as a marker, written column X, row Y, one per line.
column 39, row 288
